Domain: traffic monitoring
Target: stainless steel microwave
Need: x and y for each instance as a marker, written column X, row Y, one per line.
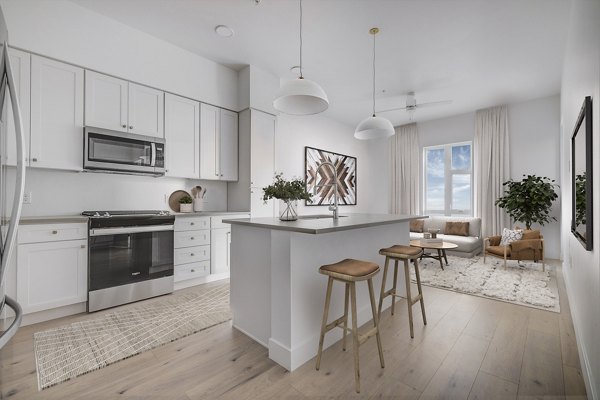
column 121, row 152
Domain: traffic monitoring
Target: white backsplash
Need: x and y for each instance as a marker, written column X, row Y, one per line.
column 66, row 193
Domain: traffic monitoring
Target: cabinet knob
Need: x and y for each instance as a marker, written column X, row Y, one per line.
column 34, row 159
column 54, row 232
column 221, row 174
column 192, row 238
column 130, row 126
column 193, row 270
column 83, row 246
column 192, row 254
column 191, row 223
column 124, row 126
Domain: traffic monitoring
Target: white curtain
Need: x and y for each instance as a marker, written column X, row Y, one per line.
column 491, row 168
column 404, row 174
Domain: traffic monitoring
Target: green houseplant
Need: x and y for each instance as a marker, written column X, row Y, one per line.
column 288, row 192
column 185, row 204
column 529, row 200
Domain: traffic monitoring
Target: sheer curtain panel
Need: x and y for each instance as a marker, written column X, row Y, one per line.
column 404, row 174
column 491, row 167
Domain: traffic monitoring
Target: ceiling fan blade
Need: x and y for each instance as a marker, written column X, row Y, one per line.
column 433, row 103
column 392, row 109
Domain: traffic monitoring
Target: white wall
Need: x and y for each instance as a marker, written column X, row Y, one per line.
column 68, row 32
column 294, row 133
column 581, row 268
column 534, row 129
column 70, row 193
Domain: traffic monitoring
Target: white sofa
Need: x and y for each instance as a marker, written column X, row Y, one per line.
column 468, row 246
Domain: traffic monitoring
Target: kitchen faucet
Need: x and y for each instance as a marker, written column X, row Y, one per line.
column 335, row 185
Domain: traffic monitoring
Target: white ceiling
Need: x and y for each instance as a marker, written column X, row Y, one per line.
column 478, row 53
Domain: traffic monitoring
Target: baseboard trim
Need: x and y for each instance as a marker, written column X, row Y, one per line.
column 585, row 365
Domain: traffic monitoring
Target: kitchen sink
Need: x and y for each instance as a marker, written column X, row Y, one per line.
column 319, row 216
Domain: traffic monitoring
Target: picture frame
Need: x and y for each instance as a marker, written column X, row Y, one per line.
column 581, row 177
column 346, row 170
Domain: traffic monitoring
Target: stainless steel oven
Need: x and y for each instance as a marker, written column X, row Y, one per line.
column 112, row 151
column 130, row 257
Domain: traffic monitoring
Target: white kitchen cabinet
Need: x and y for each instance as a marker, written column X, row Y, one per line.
column 123, row 106
column 106, row 101
column 257, row 164
column 21, row 68
column 218, row 143
column 146, row 111
column 220, row 243
column 56, row 114
column 192, row 250
column 51, row 273
column 182, row 135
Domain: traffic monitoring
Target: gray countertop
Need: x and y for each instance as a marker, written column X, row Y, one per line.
column 209, row 213
column 306, row 224
column 76, row 218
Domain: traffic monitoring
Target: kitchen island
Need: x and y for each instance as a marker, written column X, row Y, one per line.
column 277, row 293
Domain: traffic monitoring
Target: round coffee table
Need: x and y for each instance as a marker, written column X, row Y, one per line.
column 440, row 247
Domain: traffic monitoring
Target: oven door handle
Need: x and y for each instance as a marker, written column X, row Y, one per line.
column 129, row 229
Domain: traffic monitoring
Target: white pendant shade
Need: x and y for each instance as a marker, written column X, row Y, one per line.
column 301, row 97
column 374, row 128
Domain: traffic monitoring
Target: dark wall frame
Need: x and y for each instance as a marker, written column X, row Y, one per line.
column 583, row 126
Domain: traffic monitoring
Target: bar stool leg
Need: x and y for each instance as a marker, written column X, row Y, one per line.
column 346, row 298
column 418, row 275
column 355, row 336
column 376, row 322
column 394, row 287
column 408, row 298
column 383, row 279
column 324, row 324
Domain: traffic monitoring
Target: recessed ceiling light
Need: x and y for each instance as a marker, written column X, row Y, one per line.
column 224, row 31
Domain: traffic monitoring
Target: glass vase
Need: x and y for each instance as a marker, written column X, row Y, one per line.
column 288, row 210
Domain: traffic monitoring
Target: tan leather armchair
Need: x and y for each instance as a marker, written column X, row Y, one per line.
column 530, row 247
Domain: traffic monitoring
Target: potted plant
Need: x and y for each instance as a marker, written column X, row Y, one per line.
column 288, row 192
column 185, row 204
column 529, row 200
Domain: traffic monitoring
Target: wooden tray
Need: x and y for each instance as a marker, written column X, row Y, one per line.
column 174, row 199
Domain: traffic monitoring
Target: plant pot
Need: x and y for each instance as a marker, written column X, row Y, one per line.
column 185, row 208
column 288, row 210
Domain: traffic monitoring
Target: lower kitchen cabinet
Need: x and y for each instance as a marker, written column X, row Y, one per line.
column 220, row 243
column 191, row 247
column 51, row 273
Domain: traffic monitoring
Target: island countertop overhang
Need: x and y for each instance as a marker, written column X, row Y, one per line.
column 317, row 226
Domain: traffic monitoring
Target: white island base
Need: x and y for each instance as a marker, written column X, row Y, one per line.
column 278, row 294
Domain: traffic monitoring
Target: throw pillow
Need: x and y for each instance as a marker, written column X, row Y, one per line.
column 416, row 225
column 457, row 228
column 510, row 236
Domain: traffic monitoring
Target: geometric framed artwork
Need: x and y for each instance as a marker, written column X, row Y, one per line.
column 345, row 169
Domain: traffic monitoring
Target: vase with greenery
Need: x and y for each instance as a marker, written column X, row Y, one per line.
column 185, row 204
column 529, row 200
column 288, row 192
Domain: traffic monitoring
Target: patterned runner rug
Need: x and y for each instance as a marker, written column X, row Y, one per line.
column 523, row 284
column 69, row 351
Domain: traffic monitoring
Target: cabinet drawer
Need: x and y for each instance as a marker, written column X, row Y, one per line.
column 191, row 223
column 217, row 222
column 192, row 254
column 191, row 271
column 191, row 238
column 52, row 232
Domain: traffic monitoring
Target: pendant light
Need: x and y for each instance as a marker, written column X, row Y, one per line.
column 301, row 96
column 374, row 127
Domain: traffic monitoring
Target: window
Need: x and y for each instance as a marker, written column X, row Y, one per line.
column 448, row 179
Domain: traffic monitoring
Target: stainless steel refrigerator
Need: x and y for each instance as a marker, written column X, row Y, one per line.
column 12, row 185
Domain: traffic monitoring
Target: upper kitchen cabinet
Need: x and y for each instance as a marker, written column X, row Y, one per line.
column 182, row 135
column 218, row 143
column 56, row 114
column 21, row 68
column 119, row 105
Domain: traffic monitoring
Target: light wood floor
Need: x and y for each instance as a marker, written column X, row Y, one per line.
column 473, row 348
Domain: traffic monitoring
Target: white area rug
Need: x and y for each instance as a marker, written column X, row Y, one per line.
column 523, row 284
column 69, row 351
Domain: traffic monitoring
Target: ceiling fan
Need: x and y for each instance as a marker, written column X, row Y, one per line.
column 412, row 105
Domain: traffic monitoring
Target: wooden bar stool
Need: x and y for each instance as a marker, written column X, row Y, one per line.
column 350, row 271
column 405, row 253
